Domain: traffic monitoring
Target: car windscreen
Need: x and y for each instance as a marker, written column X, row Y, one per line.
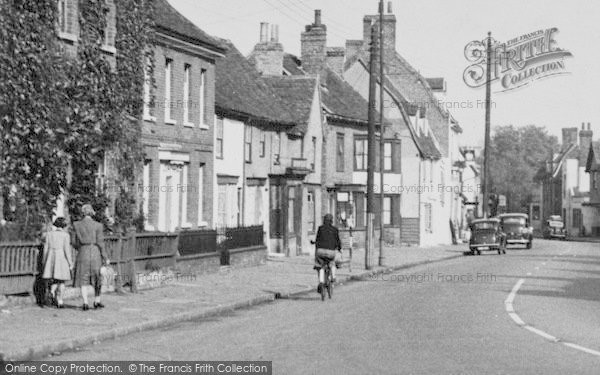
column 485, row 225
column 514, row 221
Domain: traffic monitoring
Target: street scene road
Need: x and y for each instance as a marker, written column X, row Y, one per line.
column 449, row 318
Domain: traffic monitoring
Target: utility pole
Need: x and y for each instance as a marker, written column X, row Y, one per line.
column 381, row 139
column 369, row 240
column 486, row 150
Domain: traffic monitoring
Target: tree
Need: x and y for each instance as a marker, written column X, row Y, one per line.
column 516, row 155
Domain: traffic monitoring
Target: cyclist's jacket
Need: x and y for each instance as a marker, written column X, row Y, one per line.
column 328, row 238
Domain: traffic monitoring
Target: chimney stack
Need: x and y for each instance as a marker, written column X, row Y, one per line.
column 267, row 55
column 585, row 139
column 389, row 30
column 390, row 7
column 313, row 42
column 569, row 135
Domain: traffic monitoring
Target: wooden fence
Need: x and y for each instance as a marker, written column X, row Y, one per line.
column 20, row 261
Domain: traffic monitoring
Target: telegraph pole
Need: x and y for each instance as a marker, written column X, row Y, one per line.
column 369, row 240
column 486, row 150
column 381, row 133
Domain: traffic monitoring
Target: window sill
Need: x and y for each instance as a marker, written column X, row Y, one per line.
column 171, row 122
column 204, row 127
column 67, row 36
column 108, row 49
column 150, row 118
column 188, row 124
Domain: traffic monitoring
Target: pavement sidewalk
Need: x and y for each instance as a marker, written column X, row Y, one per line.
column 31, row 332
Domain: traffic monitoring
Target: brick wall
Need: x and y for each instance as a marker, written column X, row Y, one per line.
column 248, row 257
column 194, row 139
column 198, row 264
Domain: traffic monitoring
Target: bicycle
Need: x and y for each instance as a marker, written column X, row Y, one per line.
column 328, row 284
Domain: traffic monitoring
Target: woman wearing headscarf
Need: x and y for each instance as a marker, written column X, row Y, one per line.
column 57, row 260
column 89, row 241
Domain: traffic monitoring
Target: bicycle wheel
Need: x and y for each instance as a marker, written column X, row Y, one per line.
column 329, row 286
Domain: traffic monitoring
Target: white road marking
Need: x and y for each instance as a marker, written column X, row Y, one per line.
column 508, row 305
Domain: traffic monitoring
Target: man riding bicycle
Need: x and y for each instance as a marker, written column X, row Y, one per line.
column 328, row 251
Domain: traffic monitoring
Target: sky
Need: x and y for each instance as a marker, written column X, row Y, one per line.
column 432, row 36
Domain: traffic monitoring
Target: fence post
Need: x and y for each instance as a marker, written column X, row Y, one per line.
column 119, row 277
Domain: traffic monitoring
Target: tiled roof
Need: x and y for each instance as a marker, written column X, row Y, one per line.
column 427, row 146
column 339, row 98
column 171, row 22
column 241, row 91
column 292, row 64
column 297, row 94
column 593, row 157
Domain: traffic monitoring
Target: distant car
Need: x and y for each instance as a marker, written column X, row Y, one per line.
column 555, row 228
column 486, row 235
column 517, row 229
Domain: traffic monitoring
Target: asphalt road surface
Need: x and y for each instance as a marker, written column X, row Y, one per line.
column 447, row 318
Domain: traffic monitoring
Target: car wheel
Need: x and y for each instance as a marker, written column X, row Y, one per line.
column 478, row 252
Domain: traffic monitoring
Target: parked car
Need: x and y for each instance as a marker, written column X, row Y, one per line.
column 487, row 235
column 517, row 229
column 555, row 228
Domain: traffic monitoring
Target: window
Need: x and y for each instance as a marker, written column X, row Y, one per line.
column 577, row 218
column 263, row 143
column 219, row 144
column 201, row 99
column 359, row 209
column 311, row 211
column 360, row 154
column 387, row 156
column 62, row 15
column 146, row 192
column 387, row 210
column 339, row 147
column 148, row 92
column 302, row 148
column 428, row 223
column 248, row 144
column 200, row 196
column 291, row 209
column 314, row 153
column 276, row 148
column 108, row 33
column 187, row 97
column 443, row 189
column 168, row 81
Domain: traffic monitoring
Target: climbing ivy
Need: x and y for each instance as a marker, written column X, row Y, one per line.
column 61, row 115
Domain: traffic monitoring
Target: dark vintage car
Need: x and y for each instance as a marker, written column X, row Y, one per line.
column 555, row 228
column 517, row 229
column 487, row 235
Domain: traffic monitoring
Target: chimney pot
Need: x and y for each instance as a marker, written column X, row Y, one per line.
column 389, row 10
column 317, row 17
column 264, row 32
column 589, row 126
column 583, row 126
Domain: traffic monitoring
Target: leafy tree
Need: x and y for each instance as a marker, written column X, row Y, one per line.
column 516, row 155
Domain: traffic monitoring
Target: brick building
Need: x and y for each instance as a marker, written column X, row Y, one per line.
column 178, row 125
column 592, row 167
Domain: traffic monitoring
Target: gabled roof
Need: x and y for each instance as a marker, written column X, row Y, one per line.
column 170, row 22
column 340, row 99
column 297, row 94
column 565, row 153
column 593, row 159
column 241, row 92
column 395, row 68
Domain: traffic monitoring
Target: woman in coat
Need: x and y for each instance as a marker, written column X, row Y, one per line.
column 57, row 260
column 89, row 242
